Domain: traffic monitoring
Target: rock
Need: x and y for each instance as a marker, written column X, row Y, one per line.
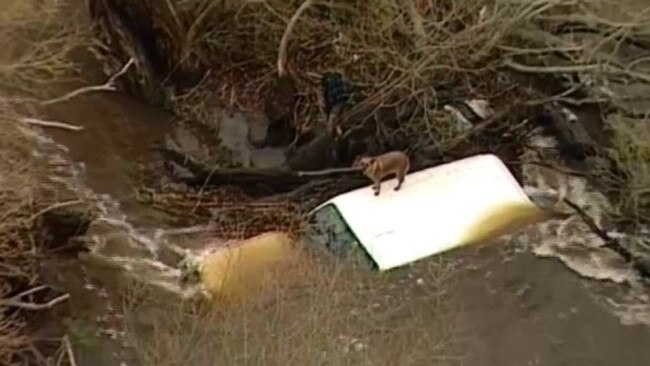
column 197, row 141
column 227, row 142
column 233, row 133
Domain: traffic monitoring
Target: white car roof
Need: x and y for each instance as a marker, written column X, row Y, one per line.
column 432, row 212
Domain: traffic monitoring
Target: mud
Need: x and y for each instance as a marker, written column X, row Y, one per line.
column 524, row 310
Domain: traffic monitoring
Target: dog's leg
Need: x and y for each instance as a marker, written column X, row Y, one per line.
column 400, row 180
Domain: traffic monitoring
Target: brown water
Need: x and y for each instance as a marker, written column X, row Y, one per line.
column 525, row 310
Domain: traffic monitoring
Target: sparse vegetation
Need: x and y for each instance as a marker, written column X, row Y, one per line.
column 629, row 186
column 630, row 152
column 35, row 44
column 312, row 312
column 27, row 196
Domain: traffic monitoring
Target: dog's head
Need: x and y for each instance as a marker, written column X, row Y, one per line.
column 363, row 162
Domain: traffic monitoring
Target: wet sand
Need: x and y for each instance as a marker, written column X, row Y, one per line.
column 535, row 311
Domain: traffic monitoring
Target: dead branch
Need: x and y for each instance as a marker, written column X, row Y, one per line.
column 610, row 242
column 30, row 291
column 53, row 124
column 325, row 172
column 517, row 51
column 496, row 117
column 11, row 270
column 55, row 207
column 16, row 301
column 109, row 85
column 282, row 50
column 549, row 69
column 68, row 348
column 606, row 69
column 555, row 98
column 34, row 307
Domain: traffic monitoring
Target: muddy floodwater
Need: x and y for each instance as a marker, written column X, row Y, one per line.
column 517, row 309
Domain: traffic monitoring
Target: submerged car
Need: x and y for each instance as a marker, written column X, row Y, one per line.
column 437, row 209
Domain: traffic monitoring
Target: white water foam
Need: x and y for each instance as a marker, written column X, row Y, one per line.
column 71, row 175
column 572, row 241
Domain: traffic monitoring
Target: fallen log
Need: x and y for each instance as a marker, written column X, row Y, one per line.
column 256, row 181
column 317, row 191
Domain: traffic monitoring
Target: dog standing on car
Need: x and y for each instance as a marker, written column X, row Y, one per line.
column 378, row 167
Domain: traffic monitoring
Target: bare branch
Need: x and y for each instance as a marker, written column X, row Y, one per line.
column 555, row 98
column 610, row 242
column 54, row 207
column 496, row 117
column 68, row 348
column 325, row 172
column 30, row 291
column 54, row 124
column 549, row 69
column 607, row 69
column 538, row 51
column 16, row 301
column 282, row 50
column 109, row 85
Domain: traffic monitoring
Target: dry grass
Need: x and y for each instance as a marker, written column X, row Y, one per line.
column 17, row 266
column 630, row 152
column 629, row 187
column 25, row 194
column 314, row 313
column 35, row 43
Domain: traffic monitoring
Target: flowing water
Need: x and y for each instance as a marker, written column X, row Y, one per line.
column 519, row 308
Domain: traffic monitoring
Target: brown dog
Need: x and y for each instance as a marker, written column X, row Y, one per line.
column 378, row 167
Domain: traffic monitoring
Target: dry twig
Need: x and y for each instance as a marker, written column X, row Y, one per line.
column 53, row 124
column 69, row 351
column 16, row 302
column 109, row 85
